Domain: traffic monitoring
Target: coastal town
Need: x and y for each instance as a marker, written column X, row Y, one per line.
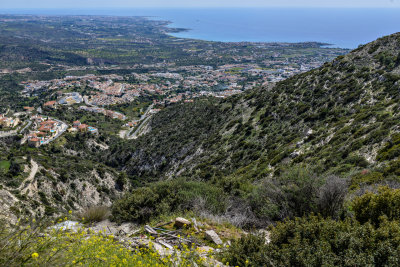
column 117, row 87
column 169, row 82
column 162, row 84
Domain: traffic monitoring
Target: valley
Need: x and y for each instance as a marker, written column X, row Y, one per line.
column 271, row 147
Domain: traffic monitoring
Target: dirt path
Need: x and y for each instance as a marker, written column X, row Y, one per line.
column 30, row 178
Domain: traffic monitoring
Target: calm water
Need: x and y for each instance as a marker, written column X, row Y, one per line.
column 346, row 28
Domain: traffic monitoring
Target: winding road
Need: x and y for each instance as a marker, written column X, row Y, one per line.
column 143, row 118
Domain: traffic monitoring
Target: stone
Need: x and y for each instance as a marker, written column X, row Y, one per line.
column 213, row 236
column 180, row 222
column 68, row 225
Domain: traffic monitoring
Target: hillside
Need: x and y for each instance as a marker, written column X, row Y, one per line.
column 341, row 118
column 254, row 167
column 53, row 180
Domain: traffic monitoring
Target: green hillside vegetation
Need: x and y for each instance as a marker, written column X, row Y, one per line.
column 316, row 158
column 369, row 239
column 267, row 148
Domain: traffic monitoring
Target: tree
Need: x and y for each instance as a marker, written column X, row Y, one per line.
column 15, row 168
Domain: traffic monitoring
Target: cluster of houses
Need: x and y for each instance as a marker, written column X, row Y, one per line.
column 8, row 122
column 77, row 126
column 46, row 129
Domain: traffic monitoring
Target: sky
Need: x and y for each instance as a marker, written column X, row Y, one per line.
column 98, row 4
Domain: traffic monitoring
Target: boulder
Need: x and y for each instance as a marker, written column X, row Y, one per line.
column 68, row 226
column 180, row 222
column 212, row 236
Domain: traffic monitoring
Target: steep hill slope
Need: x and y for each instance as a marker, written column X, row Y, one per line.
column 340, row 118
column 54, row 179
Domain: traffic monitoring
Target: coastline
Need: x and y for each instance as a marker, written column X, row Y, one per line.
column 257, row 25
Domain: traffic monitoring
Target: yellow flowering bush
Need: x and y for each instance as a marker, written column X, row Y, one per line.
column 32, row 245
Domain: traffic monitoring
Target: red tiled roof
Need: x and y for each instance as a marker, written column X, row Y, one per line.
column 50, row 103
column 44, row 128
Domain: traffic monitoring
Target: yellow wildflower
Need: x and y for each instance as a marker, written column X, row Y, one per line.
column 35, row 255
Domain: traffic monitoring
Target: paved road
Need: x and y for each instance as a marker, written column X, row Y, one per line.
column 29, row 124
column 142, row 118
column 134, row 135
column 86, row 100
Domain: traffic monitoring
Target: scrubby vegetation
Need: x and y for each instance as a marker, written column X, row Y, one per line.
column 294, row 193
column 94, row 214
column 316, row 156
column 162, row 198
column 339, row 119
column 369, row 239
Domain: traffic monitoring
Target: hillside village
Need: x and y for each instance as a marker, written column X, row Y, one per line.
column 171, row 83
column 165, row 84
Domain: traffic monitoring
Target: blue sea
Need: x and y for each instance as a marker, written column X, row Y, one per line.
column 345, row 28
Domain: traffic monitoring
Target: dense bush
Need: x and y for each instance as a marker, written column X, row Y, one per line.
column 314, row 241
column 249, row 250
column 145, row 203
column 294, row 193
column 331, row 196
column 371, row 206
column 365, row 178
column 391, row 150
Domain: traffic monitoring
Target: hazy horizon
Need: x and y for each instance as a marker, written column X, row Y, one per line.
column 99, row 4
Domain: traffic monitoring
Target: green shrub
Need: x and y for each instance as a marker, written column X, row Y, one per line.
column 371, row 206
column 391, row 150
column 293, row 193
column 365, row 177
column 95, row 214
column 145, row 203
column 314, row 241
column 249, row 250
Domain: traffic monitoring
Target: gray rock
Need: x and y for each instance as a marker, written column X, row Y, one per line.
column 68, row 225
column 213, row 236
column 180, row 222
